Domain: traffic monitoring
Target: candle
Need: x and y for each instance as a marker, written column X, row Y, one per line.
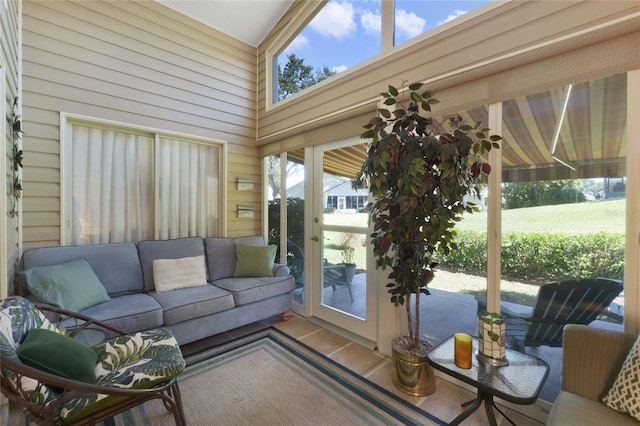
column 462, row 350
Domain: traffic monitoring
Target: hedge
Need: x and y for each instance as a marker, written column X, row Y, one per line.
column 544, row 257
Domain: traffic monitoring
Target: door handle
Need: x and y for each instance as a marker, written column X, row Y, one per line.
column 315, row 238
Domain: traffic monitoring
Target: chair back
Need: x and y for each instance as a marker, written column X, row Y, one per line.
column 578, row 301
column 17, row 317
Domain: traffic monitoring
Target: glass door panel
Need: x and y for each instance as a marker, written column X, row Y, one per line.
column 341, row 294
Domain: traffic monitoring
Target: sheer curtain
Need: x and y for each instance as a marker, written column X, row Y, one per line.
column 112, row 186
column 186, row 189
column 132, row 187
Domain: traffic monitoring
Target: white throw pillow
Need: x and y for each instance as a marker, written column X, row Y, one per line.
column 623, row 395
column 172, row 274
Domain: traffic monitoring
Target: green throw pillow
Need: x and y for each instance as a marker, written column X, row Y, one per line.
column 58, row 354
column 254, row 261
column 72, row 285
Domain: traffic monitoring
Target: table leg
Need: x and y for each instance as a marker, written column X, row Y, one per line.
column 474, row 404
column 471, row 407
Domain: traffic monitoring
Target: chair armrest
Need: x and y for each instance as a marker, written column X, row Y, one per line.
column 280, row 270
column 592, row 358
column 56, row 315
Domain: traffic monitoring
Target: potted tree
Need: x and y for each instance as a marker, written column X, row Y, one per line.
column 420, row 173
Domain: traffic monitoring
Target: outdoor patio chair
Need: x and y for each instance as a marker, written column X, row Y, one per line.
column 334, row 275
column 55, row 379
column 578, row 301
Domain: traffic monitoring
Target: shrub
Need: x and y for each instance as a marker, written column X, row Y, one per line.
column 532, row 256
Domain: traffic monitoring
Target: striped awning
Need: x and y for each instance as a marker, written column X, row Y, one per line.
column 572, row 132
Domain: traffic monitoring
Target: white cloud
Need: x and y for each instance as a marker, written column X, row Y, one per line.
column 371, row 22
column 336, row 19
column 409, row 24
column 297, row 44
column 339, row 68
column 452, row 16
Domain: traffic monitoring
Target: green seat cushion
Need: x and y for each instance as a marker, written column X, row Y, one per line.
column 254, row 261
column 58, row 354
column 72, row 285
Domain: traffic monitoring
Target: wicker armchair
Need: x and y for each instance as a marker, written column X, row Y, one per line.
column 130, row 369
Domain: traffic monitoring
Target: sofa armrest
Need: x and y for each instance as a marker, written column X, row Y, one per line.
column 592, row 358
column 280, row 270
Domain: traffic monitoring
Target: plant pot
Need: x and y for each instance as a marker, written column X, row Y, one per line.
column 349, row 271
column 412, row 373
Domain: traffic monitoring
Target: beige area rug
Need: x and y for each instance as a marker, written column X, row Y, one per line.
column 269, row 378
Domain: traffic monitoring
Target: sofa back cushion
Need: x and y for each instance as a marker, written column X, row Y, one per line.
column 221, row 254
column 116, row 265
column 166, row 249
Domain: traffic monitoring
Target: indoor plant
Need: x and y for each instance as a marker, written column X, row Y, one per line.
column 420, row 172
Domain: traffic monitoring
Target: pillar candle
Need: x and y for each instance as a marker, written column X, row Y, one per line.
column 462, row 350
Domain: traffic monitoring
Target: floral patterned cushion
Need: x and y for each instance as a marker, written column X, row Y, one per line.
column 17, row 317
column 134, row 361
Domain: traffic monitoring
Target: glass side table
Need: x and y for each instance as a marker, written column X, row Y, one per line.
column 519, row 382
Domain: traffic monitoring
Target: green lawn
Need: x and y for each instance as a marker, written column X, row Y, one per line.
column 579, row 218
column 588, row 217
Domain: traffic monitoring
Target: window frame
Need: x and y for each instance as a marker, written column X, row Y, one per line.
column 66, row 192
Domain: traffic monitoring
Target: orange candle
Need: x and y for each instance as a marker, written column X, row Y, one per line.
column 462, row 350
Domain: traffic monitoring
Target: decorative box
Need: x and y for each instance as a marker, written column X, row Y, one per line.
column 492, row 338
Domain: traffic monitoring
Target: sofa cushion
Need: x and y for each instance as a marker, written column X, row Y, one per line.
column 71, row 285
column 221, row 254
column 623, row 395
column 254, row 261
column 188, row 303
column 166, row 249
column 116, row 265
column 172, row 274
column 570, row 409
column 130, row 313
column 55, row 353
column 248, row 290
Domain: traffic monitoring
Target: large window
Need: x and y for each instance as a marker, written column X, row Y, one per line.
column 343, row 34
column 413, row 18
column 127, row 185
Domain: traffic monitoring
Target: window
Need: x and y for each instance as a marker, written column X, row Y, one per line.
column 413, row 18
column 342, row 35
column 123, row 184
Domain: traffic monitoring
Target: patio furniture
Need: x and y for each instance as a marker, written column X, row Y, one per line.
column 591, row 360
column 578, row 301
column 335, row 274
column 518, row 382
column 56, row 379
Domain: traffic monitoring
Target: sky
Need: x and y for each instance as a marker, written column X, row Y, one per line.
column 347, row 32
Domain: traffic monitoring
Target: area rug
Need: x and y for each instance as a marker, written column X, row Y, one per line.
column 269, row 378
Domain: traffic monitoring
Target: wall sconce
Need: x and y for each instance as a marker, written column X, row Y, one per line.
column 245, row 184
column 245, row 211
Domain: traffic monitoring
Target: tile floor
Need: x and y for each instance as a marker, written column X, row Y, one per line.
column 443, row 403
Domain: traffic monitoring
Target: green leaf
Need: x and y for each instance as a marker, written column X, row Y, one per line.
column 415, row 86
column 389, row 101
column 393, row 91
column 416, row 97
column 495, row 138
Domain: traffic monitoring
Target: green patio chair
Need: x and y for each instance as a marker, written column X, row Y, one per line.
column 578, row 301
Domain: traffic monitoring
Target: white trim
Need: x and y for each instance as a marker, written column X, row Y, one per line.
column 494, row 215
column 65, row 164
column 632, row 249
column 3, row 171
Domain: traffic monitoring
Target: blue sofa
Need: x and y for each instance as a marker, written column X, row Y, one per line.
column 126, row 270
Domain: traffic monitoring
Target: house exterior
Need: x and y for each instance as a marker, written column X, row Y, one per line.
column 145, row 65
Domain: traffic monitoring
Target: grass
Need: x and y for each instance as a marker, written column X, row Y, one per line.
column 580, row 218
